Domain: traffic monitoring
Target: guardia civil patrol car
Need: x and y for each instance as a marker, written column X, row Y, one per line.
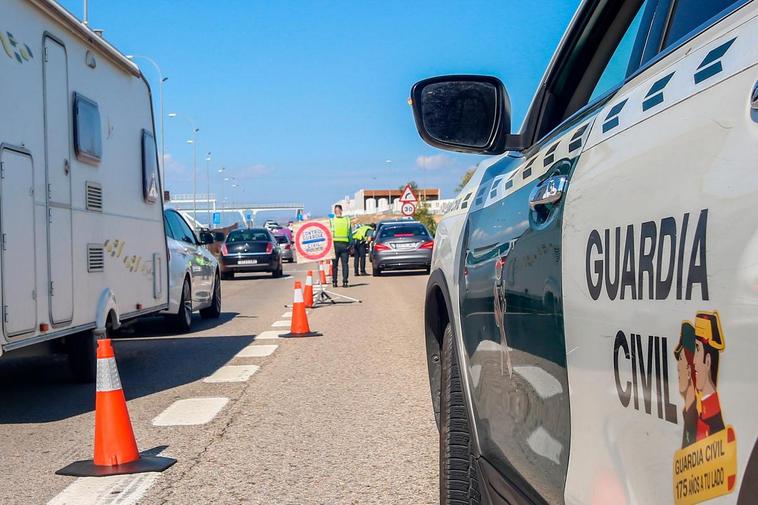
column 592, row 313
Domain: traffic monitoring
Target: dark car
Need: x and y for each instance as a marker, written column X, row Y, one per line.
column 250, row 250
column 402, row 246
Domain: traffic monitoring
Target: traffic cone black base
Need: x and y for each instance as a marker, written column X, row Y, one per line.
column 296, row 335
column 87, row 468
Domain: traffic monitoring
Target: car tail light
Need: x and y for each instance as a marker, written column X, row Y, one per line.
column 224, row 250
column 269, row 248
column 287, row 247
column 403, row 234
column 382, row 247
column 429, row 244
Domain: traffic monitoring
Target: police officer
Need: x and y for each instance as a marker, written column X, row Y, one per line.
column 343, row 235
column 361, row 236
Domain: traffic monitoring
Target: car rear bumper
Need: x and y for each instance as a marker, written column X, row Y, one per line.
column 407, row 261
column 263, row 263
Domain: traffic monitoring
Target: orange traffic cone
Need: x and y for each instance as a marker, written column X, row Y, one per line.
column 115, row 448
column 308, row 291
column 322, row 272
column 299, row 326
column 331, row 272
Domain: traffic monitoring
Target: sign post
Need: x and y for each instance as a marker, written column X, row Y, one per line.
column 313, row 241
column 408, row 201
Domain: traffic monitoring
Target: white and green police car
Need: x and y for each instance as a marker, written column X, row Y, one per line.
column 592, row 313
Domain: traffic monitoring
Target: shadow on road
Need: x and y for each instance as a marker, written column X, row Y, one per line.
column 404, row 273
column 159, row 326
column 40, row 389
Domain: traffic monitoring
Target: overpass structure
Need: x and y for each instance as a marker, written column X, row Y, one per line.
column 206, row 205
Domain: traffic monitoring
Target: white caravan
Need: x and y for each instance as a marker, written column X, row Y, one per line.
column 83, row 246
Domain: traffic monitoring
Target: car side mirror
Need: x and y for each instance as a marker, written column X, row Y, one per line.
column 206, row 238
column 464, row 113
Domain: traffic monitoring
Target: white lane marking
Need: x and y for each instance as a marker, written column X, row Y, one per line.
column 232, row 373
column 113, row 490
column 265, row 335
column 287, row 314
column 541, row 442
column 256, row 351
column 543, row 383
column 190, row 411
column 281, row 324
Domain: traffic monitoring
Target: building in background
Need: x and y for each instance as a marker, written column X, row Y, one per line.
column 387, row 201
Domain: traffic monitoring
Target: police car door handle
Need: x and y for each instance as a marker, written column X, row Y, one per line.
column 549, row 192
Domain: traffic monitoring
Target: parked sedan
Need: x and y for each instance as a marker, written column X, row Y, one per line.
column 288, row 249
column 250, row 250
column 193, row 273
column 402, row 246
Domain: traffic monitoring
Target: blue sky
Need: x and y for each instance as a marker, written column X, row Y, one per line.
column 305, row 100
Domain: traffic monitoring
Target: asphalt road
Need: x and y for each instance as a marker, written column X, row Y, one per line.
column 342, row 418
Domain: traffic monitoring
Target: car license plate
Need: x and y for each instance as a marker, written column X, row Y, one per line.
column 247, row 262
column 406, row 246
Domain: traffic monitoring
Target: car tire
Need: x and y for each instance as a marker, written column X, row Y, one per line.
column 227, row 275
column 214, row 311
column 459, row 483
column 183, row 319
column 81, row 352
column 428, row 270
column 277, row 273
column 376, row 272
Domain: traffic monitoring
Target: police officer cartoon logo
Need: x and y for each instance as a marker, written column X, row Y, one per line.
column 706, row 465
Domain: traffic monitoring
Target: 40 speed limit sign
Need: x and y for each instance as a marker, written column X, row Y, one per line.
column 313, row 241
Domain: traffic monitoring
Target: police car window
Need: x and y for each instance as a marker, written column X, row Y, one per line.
column 169, row 231
column 617, row 68
column 181, row 230
column 688, row 15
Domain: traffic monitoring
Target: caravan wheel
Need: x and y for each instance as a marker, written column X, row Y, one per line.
column 80, row 349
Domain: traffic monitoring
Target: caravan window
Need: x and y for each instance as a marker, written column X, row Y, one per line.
column 88, row 140
column 149, row 168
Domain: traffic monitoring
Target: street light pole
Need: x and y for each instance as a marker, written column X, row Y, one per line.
column 193, row 141
column 160, row 106
column 208, row 181
column 388, row 164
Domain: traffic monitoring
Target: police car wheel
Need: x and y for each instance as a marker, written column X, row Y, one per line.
column 459, row 482
column 214, row 311
column 183, row 319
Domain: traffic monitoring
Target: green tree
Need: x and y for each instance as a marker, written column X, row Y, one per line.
column 414, row 187
column 464, row 180
column 423, row 216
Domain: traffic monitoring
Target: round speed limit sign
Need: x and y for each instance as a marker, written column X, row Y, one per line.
column 408, row 209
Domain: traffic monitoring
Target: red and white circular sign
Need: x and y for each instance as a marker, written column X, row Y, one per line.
column 408, row 209
column 313, row 241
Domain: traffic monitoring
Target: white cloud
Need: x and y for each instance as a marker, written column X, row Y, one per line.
column 434, row 162
column 175, row 170
column 252, row 171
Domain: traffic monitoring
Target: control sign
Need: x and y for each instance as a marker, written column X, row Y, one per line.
column 216, row 218
column 313, row 241
column 248, row 215
column 408, row 209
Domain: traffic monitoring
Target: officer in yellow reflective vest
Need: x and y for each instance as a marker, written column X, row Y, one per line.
column 361, row 236
column 342, row 234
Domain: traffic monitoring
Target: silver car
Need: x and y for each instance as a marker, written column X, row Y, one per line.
column 193, row 273
column 404, row 245
column 287, row 248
